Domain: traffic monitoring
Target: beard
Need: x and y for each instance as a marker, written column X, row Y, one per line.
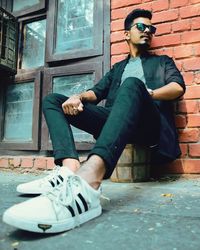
column 143, row 45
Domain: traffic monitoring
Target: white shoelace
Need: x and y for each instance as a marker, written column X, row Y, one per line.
column 65, row 195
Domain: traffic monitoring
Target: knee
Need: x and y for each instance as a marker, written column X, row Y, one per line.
column 133, row 83
column 53, row 100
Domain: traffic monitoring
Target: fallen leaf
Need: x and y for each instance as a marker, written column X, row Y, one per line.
column 15, row 244
column 167, row 195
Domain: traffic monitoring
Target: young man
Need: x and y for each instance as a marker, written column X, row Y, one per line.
column 139, row 92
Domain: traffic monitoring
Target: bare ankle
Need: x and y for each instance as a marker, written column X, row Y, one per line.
column 72, row 164
column 93, row 171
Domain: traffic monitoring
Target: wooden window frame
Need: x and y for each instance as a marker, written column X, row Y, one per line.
column 51, row 27
column 76, row 69
column 37, row 7
column 23, row 22
column 29, row 145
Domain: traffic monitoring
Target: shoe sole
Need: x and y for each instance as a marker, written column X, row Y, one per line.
column 54, row 227
column 20, row 190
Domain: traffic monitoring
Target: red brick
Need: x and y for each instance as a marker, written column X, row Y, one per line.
column 118, row 3
column 146, row 6
column 117, row 25
column 15, row 162
column 193, row 92
column 183, row 166
column 183, row 52
column 189, row 106
column 196, row 49
column 179, row 65
column 165, row 16
column 191, row 64
column 117, row 36
column 197, row 78
column 118, row 13
column 194, row 1
column 119, row 48
column 192, row 37
column 190, row 11
column 115, row 59
column 179, row 3
column 196, row 23
column 40, row 163
column 160, row 5
column 184, row 149
column 163, row 29
column 164, row 51
column 188, row 77
column 27, row 162
column 193, row 120
column 180, row 121
column 194, row 150
column 189, row 135
column 173, row 39
column 4, row 163
column 181, row 25
column 50, row 162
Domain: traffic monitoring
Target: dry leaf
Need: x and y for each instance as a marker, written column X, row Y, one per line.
column 167, row 195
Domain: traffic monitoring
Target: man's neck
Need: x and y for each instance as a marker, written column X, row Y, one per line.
column 136, row 51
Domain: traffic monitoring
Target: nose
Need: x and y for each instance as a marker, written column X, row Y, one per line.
column 147, row 30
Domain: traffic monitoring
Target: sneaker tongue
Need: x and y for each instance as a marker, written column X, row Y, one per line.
column 65, row 171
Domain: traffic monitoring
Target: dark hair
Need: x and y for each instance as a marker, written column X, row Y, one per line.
column 135, row 14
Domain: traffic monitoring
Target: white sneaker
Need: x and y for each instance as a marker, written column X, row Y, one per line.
column 68, row 205
column 46, row 183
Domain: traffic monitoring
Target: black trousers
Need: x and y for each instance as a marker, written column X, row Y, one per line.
column 133, row 118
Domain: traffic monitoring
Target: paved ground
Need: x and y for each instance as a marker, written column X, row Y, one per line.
column 156, row 215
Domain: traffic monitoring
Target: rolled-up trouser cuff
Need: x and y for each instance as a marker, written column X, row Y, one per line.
column 60, row 155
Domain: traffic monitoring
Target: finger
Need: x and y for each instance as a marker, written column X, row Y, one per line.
column 80, row 107
column 64, row 108
column 74, row 111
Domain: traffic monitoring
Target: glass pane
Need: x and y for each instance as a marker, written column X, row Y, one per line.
column 34, row 44
column 70, row 85
column 19, row 112
column 74, row 25
column 24, row 4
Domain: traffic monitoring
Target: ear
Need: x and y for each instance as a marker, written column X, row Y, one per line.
column 127, row 35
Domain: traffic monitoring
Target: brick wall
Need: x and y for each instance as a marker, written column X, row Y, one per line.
column 178, row 35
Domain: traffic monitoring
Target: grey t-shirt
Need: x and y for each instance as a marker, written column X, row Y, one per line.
column 134, row 69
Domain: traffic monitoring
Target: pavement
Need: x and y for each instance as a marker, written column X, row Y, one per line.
column 156, row 215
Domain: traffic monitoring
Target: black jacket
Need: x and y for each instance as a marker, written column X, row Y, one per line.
column 158, row 71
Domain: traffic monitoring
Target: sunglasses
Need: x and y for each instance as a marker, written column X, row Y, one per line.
column 142, row 27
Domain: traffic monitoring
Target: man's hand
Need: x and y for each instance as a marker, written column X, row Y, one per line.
column 73, row 105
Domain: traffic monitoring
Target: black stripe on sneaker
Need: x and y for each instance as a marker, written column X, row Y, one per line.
column 52, row 184
column 71, row 210
column 83, row 201
column 79, row 208
column 61, row 178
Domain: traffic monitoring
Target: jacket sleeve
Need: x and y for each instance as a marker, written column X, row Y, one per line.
column 101, row 89
column 172, row 74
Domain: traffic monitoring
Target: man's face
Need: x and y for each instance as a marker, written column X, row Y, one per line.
column 137, row 37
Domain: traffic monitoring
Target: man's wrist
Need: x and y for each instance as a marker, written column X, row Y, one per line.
column 79, row 96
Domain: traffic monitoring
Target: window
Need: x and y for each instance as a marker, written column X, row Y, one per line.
column 69, row 80
column 24, row 7
column 77, row 25
column 21, row 113
column 33, row 45
column 64, row 47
